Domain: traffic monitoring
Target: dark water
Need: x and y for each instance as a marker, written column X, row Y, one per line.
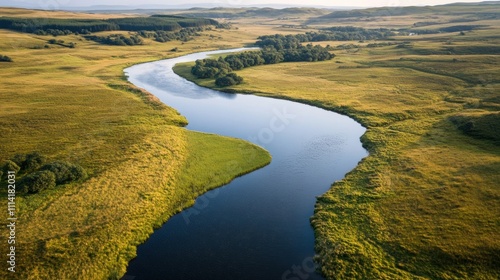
column 256, row 227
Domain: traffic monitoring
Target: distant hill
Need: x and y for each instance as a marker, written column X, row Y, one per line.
column 254, row 12
column 412, row 10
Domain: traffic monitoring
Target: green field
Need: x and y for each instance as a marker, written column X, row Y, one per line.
column 74, row 104
column 424, row 204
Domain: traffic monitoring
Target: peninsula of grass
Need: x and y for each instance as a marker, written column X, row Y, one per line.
column 75, row 105
column 425, row 203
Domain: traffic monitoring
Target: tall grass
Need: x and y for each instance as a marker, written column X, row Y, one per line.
column 75, row 105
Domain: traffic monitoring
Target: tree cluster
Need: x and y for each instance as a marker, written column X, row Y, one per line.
column 61, row 43
column 183, row 35
column 275, row 49
column 340, row 33
column 117, row 40
column 219, row 69
column 35, row 175
column 54, row 26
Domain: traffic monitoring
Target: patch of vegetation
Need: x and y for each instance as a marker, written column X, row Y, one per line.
column 5, row 58
column 117, row 40
column 483, row 126
column 35, row 176
column 53, row 26
column 183, row 35
column 228, row 80
column 275, row 49
column 61, row 43
column 338, row 33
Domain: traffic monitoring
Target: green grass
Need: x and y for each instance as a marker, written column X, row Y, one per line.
column 425, row 203
column 76, row 105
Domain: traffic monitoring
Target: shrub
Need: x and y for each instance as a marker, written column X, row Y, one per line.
column 229, row 80
column 9, row 165
column 33, row 161
column 19, row 159
column 65, row 172
column 5, row 58
column 38, row 181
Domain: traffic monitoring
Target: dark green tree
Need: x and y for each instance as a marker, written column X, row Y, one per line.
column 38, row 181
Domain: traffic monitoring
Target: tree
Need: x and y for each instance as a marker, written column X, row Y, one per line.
column 5, row 58
column 9, row 165
column 38, row 181
column 225, row 81
column 33, row 161
column 19, row 159
column 65, row 172
column 230, row 79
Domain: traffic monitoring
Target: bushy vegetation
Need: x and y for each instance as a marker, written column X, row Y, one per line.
column 338, row 33
column 160, row 22
column 484, row 126
column 37, row 181
column 230, row 79
column 65, row 172
column 9, row 165
column 36, row 176
column 117, row 40
column 184, row 34
column 5, row 58
column 53, row 26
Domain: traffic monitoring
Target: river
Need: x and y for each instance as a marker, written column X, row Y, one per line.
column 256, row 227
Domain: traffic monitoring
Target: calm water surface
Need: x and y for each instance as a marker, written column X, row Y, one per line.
column 256, row 227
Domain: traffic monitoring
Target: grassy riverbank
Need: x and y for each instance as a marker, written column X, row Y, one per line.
column 424, row 204
column 74, row 104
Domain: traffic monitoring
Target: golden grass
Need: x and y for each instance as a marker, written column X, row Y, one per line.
column 75, row 104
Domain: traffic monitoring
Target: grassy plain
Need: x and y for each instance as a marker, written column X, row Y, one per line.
column 75, row 104
column 425, row 203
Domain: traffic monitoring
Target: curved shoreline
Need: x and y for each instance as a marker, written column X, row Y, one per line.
column 151, row 65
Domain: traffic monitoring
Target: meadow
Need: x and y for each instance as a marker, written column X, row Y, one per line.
column 424, row 204
column 75, row 104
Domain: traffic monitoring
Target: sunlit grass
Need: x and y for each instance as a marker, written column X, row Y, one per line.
column 76, row 105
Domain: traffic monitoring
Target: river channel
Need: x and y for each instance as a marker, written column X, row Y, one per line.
column 258, row 226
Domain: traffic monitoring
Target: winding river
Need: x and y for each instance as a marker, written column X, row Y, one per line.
column 256, row 227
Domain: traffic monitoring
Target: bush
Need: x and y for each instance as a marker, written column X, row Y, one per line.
column 19, row 159
column 230, row 79
column 33, row 161
column 65, row 172
column 9, row 165
column 5, row 58
column 38, row 181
